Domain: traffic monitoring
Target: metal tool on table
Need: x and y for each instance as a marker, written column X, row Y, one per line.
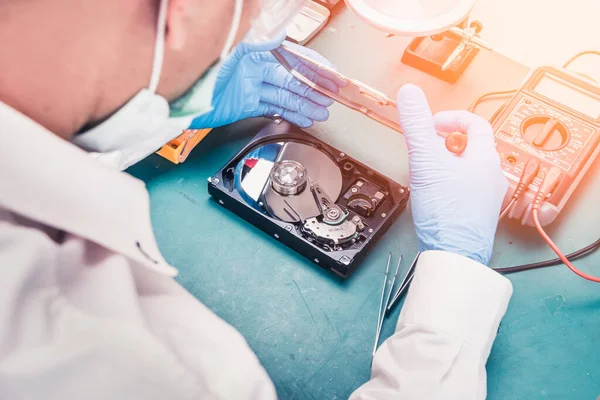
column 469, row 38
column 383, row 304
column 387, row 299
column 404, row 284
column 389, row 295
column 354, row 94
column 381, row 313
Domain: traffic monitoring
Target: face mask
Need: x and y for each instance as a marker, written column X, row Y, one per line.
column 147, row 121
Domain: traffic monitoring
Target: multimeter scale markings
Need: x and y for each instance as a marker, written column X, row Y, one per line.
column 543, row 132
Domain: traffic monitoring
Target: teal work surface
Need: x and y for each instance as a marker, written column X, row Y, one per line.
column 313, row 332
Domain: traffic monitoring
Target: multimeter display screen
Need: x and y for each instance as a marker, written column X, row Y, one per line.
column 562, row 92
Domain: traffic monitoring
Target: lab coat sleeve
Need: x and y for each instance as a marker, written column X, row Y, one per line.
column 444, row 333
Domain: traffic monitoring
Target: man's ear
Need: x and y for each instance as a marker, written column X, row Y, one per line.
column 178, row 20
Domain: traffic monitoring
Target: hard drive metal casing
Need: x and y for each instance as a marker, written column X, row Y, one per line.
column 342, row 262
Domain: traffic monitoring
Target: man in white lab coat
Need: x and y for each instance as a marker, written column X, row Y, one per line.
column 88, row 306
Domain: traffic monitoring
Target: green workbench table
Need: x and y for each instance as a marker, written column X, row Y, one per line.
column 313, row 332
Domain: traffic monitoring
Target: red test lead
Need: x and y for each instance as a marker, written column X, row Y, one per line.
column 548, row 185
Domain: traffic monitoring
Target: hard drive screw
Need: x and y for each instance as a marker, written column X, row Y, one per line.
column 354, row 190
column 317, row 260
column 402, row 191
column 276, row 236
column 345, row 260
column 221, row 202
column 288, row 228
column 333, row 213
column 370, row 230
column 342, row 154
column 383, row 215
column 215, row 181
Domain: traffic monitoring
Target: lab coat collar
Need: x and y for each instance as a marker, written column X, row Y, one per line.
column 49, row 180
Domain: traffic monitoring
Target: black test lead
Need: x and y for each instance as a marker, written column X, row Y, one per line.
column 380, row 311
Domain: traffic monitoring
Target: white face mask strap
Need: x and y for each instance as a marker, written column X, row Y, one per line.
column 159, row 47
column 235, row 26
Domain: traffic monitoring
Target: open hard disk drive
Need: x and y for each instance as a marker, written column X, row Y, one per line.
column 315, row 199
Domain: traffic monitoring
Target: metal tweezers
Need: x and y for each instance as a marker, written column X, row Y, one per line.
column 386, row 306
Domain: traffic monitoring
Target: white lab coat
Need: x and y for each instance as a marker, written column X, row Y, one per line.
column 89, row 309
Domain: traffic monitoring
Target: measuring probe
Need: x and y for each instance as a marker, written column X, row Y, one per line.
column 529, row 174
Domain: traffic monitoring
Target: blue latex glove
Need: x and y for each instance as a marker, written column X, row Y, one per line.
column 252, row 83
column 456, row 200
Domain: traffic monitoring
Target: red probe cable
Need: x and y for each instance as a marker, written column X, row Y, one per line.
column 559, row 253
column 548, row 185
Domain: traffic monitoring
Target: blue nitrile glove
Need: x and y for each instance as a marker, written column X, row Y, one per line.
column 252, row 83
column 456, row 200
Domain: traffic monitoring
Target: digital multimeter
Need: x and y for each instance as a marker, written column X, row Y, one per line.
column 554, row 117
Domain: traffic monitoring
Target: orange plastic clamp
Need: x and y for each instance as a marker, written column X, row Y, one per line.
column 178, row 149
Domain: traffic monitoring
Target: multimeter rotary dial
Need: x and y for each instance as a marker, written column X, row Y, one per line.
column 545, row 132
